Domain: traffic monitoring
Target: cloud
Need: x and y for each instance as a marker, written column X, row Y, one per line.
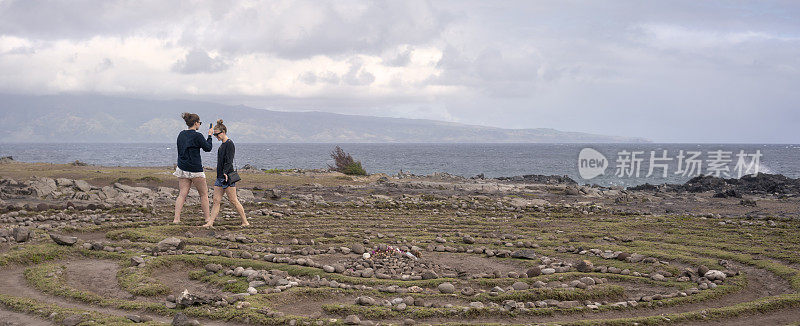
column 651, row 69
column 199, row 61
column 357, row 75
column 668, row 36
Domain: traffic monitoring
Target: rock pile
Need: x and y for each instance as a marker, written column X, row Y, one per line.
column 69, row 190
column 394, row 266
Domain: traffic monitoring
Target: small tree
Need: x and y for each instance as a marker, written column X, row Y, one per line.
column 345, row 163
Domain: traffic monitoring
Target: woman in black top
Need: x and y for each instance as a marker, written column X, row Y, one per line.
column 225, row 155
column 190, row 167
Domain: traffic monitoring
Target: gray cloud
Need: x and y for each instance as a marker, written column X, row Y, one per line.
column 668, row 70
column 198, row 61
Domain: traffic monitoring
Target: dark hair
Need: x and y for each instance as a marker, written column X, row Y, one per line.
column 221, row 127
column 190, row 118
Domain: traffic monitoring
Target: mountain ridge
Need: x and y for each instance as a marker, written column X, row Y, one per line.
column 101, row 118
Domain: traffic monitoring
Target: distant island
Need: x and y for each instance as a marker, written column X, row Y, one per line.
column 95, row 118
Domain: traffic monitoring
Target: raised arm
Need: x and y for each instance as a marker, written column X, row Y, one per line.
column 204, row 143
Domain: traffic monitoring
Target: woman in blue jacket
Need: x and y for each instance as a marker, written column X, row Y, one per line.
column 190, row 167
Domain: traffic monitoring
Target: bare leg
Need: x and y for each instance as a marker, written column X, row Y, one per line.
column 215, row 208
column 202, row 189
column 231, row 192
column 183, row 186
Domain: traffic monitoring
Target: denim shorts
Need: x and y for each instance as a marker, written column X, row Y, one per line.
column 220, row 182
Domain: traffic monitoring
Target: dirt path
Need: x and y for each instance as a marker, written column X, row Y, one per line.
column 780, row 317
column 12, row 318
column 12, row 282
column 96, row 276
column 176, row 277
column 760, row 284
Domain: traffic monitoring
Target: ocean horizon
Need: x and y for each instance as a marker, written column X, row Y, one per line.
column 490, row 159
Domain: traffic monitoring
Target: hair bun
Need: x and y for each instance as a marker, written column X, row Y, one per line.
column 219, row 121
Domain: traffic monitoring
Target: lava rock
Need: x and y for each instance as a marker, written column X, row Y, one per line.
column 585, row 266
column 713, row 275
column 63, row 240
column 429, row 275
column 358, row 249
column 137, row 260
column 365, row 301
column 170, row 243
column 21, row 234
column 534, row 271
column 524, row 254
column 702, row 270
column 520, row 286
column 352, row 320
column 446, row 288
column 214, row 268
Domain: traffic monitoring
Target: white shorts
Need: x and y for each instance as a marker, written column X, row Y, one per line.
column 181, row 174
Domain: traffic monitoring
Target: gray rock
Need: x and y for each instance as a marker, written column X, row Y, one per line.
column 272, row 193
column 548, row 271
column 21, row 234
column 83, row 186
column 520, row 286
column 365, row 301
column 214, row 268
column 352, row 320
column 429, row 275
column 137, row 260
column 635, row 258
column 534, row 271
column 524, row 254
column 713, row 275
column 328, row 269
column 338, row 268
column 170, row 243
column 446, row 288
column 368, row 272
column 63, row 240
column 476, row 305
column 585, row 266
column 702, row 270
column 357, row 248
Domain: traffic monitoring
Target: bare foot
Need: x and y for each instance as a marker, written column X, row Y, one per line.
column 245, row 225
column 176, row 221
column 207, row 226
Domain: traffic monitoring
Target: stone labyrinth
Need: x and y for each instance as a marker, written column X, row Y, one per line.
column 408, row 259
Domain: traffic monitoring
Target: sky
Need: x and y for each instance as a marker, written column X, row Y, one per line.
column 669, row 71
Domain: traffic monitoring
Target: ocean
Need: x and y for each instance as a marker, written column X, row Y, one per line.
column 492, row 160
